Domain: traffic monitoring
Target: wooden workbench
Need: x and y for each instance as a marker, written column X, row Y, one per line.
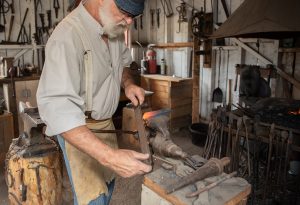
column 233, row 191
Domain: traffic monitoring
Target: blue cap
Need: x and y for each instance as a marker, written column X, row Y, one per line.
column 133, row 7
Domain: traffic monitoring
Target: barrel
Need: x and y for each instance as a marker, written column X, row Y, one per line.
column 198, row 133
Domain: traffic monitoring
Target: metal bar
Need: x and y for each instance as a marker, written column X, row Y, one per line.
column 142, row 133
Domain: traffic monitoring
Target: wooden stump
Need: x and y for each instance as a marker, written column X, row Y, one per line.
column 34, row 179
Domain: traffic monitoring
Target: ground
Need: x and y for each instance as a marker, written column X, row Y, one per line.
column 127, row 191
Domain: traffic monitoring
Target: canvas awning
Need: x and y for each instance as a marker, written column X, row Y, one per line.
column 263, row 19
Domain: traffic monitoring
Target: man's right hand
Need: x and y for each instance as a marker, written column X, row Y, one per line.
column 128, row 163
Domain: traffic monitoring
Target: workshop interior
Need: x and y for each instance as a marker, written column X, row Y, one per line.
column 221, row 117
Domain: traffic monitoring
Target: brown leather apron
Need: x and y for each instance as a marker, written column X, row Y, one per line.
column 89, row 176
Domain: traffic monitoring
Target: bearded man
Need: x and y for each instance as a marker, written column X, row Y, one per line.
column 86, row 64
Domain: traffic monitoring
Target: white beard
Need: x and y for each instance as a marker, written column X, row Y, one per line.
column 111, row 28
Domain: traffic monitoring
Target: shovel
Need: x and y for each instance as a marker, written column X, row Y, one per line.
column 217, row 93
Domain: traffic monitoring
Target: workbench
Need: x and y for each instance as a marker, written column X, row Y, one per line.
column 233, row 191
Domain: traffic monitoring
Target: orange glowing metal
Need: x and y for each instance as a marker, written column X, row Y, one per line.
column 148, row 115
column 295, row 112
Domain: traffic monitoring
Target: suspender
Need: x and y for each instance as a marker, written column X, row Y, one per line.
column 88, row 64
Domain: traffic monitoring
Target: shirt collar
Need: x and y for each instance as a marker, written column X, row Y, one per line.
column 89, row 21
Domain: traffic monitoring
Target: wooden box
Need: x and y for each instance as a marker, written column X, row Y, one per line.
column 173, row 93
column 6, row 134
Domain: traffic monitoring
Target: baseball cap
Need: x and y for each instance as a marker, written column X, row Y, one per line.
column 132, row 7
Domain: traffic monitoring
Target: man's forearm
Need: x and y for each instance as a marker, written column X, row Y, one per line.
column 83, row 139
column 126, row 78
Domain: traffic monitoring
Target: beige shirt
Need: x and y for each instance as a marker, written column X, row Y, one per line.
column 61, row 91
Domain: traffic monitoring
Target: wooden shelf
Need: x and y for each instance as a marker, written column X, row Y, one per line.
column 8, row 80
column 17, row 46
column 289, row 50
column 173, row 45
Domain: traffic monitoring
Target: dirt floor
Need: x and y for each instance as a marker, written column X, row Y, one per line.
column 127, row 191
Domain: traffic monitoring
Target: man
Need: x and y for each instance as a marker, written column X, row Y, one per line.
column 73, row 82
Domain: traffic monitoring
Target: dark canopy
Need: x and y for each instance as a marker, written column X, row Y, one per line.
column 263, row 19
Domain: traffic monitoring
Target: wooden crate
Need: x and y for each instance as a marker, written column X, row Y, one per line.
column 6, row 134
column 173, row 93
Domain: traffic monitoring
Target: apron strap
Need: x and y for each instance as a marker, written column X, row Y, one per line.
column 88, row 64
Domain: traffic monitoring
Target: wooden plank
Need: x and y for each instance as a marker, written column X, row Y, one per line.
column 159, row 87
column 160, row 103
column 173, row 45
column 165, row 78
column 289, row 50
column 188, row 82
column 241, row 197
column 181, row 92
column 161, row 192
column 159, row 82
column 181, row 111
column 158, row 95
column 180, row 101
column 234, row 192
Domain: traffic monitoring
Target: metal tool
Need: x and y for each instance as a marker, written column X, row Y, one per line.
column 42, row 18
column 23, row 187
column 142, row 133
column 182, row 14
column 22, row 28
column 135, row 24
column 49, row 18
column 38, row 178
column 211, row 168
column 134, row 133
column 167, row 7
column 158, row 17
column 56, row 7
column 271, row 136
column 212, row 185
column 39, row 4
column 152, row 12
column 141, row 25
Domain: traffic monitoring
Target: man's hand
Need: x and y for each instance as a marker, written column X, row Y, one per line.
column 135, row 93
column 127, row 163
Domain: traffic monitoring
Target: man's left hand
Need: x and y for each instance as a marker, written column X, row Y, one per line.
column 135, row 93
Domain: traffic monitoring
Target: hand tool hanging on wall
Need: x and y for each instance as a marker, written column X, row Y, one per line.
column 49, row 19
column 141, row 25
column 42, row 18
column 152, row 12
column 39, row 4
column 56, row 7
column 158, row 17
column 11, row 21
column 217, row 93
column 198, row 25
column 182, row 14
column 167, row 7
column 22, row 32
column 135, row 24
column 4, row 8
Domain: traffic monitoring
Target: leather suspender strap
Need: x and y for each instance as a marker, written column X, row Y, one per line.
column 88, row 64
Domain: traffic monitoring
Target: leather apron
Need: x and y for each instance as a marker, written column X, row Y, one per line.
column 89, row 176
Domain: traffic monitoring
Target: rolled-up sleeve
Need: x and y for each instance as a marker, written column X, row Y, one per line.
column 58, row 95
column 126, row 56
